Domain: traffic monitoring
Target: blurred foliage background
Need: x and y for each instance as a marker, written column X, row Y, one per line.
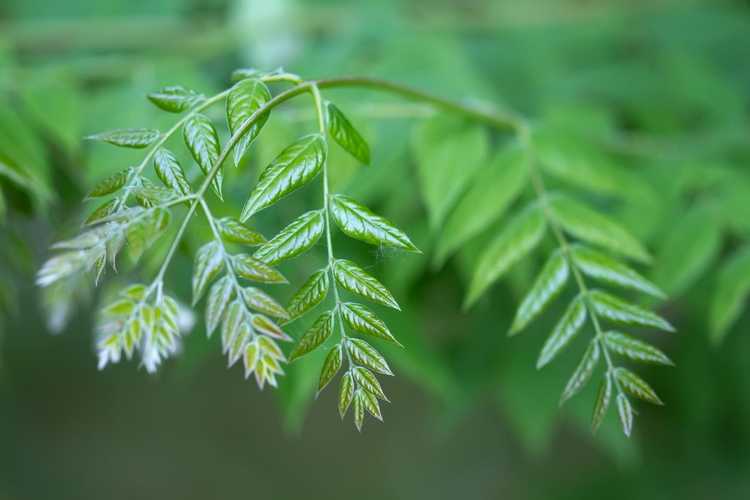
column 649, row 98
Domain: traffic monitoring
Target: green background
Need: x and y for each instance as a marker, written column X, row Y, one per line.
column 660, row 89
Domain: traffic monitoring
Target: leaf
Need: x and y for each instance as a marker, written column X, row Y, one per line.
column 595, row 228
column 371, row 404
column 295, row 239
column 353, row 278
column 688, row 249
column 601, row 267
column 367, row 381
column 170, row 172
column 331, row 366
column 344, row 133
column 583, row 372
column 233, row 231
column 619, row 311
column 359, row 409
column 492, row 191
column 603, row 398
column 208, row 262
column 635, row 349
column 364, row 321
column 252, row 269
column 310, row 294
column 175, row 99
column 294, row 167
column 268, row 327
column 101, row 212
column 202, row 141
column 626, row 414
column 565, row 330
column 245, row 98
column 732, row 290
column 346, row 393
column 111, row 184
column 260, row 301
column 235, row 317
column 518, row 238
column 137, row 138
column 364, row 354
column 546, row 287
column 358, row 222
column 142, row 234
column 448, row 153
column 320, row 330
column 636, row 386
column 218, row 298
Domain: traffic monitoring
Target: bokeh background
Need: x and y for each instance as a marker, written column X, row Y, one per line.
column 660, row 88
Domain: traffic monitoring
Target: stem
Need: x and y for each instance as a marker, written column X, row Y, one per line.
column 326, row 210
column 537, row 182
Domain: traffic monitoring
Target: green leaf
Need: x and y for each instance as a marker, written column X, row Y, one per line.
column 688, row 249
column 202, row 141
column 235, row 317
column 170, row 172
column 111, row 184
column 568, row 326
column 137, row 138
column 346, row 135
column 636, row 386
column 320, row 330
column 101, row 212
column 233, row 231
column 367, row 381
column 310, row 294
column 601, row 267
column 354, row 279
column 294, row 167
column 209, row 260
column 331, row 366
column 295, row 239
column 252, row 269
column 583, row 372
column 732, row 290
column 144, row 233
column 518, row 238
column 603, row 398
column 448, row 154
column 358, row 222
column 362, row 320
column 635, row 349
column 346, row 393
column 359, row 409
column 175, row 98
column 371, row 404
column 364, row 354
column 257, row 300
column 546, row 287
column 245, row 98
column 492, row 191
column 218, row 298
column 268, row 327
column 619, row 311
column 588, row 225
column 625, row 410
